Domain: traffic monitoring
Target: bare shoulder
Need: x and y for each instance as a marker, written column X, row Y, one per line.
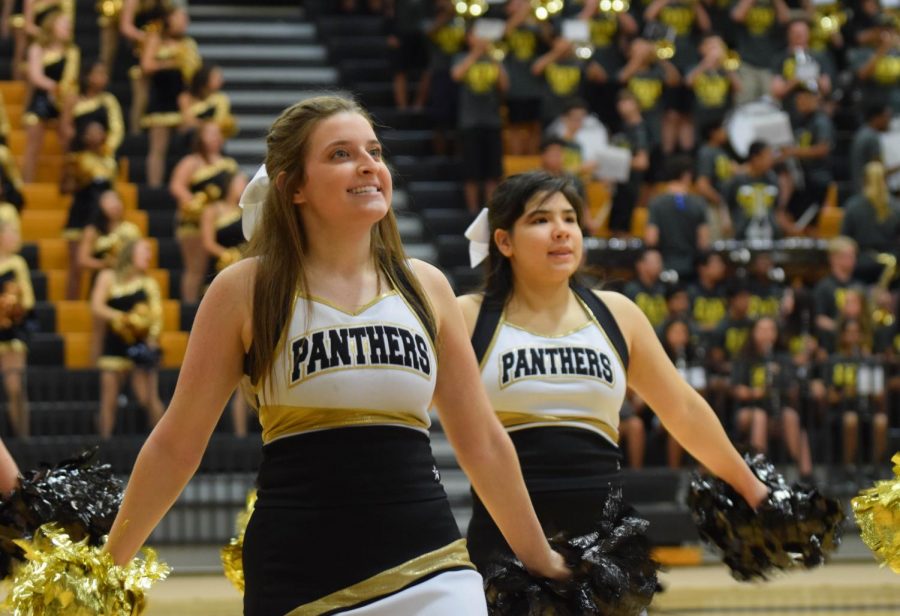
column 470, row 305
column 431, row 278
column 237, row 279
column 623, row 310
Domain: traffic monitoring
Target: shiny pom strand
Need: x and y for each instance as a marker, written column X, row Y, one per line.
column 877, row 512
column 795, row 527
column 62, row 577
column 613, row 573
column 232, row 554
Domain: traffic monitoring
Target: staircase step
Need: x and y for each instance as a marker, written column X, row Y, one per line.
column 293, row 32
column 242, row 76
column 241, row 12
column 267, row 55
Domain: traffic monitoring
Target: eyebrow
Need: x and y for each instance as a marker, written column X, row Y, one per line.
column 543, row 210
column 346, row 142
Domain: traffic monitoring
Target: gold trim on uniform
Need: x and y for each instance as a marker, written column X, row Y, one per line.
column 282, row 420
column 15, row 345
column 116, row 130
column 165, row 118
column 390, row 581
column 226, row 163
column 72, row 234
column 10, row 170
column 515, row 419
column 4, row 118
column 352, row 313
column 112, row 362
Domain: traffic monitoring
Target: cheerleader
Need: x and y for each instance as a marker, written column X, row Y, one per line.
column 341, row 349
column 169, row 59
column 205, row 101
column 94, row 104
column 10, row 179
column 127, row 299
column 53, row 65
column 200, row 179
column 137, row 19
column 24, row 18
column 223, row 240
column 556, row 360
column 16, row 301
column 88, row 174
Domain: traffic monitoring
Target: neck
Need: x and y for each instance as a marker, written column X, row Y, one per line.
column 537, row 296
column 340, row 252
column 678, row 186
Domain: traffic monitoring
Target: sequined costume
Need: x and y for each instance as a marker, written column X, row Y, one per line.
column 10, row 179
column 168, row 83
column 140, row 299
column 93, row 175
column 216, row 108
column 104, row 109
column 209, row 183
column 229, row 236
column 16, row 300
column 61, row 67
column 107, row 245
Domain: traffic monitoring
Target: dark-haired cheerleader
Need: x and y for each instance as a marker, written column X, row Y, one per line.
column 557, row 358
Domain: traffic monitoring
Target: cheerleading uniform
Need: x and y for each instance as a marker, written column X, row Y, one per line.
column 351, row 517
column 215, row 108
column 229, row 234
column 209, row 183
column 61, row 67
column 14, row 270
column 168, row 83
column 103, row 109
column 94, row 174
column 125, row 296
column 108, row 245
column 559, row 398
column 10, row 179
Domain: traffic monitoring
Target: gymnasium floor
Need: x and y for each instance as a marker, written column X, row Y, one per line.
column 845, row 589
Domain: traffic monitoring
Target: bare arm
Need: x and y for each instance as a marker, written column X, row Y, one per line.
column 9, row 471
column 23, row 279
column 180, row 182
column 683, row 411
column 502, row 78
column 173, row 451
column 36, row 75
column 86, row 258
column 703, row 237
column 782, row 11
column 640, row 161
column 126, row 22
column 208, row 232
column 484, row 450
column 651, row 235
column 703, row 20
column 739, row 12
column 560, row 47
column 99, row 295
column 654, row 9
column 705, row 189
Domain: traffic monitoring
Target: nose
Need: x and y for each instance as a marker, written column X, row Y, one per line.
column 560, row 230
column 367, row 164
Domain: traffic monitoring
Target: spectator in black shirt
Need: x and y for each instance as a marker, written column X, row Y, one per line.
column 708, row 305
column 677, row 219
column 715, row 168
column 767, row 295
column 646, row 290
column 635, row 137
column 756, row 201
column 829, row 293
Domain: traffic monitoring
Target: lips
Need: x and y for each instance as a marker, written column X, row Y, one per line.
column 364, row 190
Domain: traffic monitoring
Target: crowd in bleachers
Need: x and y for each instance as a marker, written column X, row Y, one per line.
column 809, row 357
column 65, row 187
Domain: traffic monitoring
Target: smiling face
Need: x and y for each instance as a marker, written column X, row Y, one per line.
column 545, row 243
column 347, row 180
column 140, row 258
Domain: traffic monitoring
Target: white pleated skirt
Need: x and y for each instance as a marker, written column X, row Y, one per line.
column 453, row 593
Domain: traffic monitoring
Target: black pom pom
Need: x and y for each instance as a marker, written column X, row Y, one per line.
column 80, row 496
column 795, row 528
column 612, row 573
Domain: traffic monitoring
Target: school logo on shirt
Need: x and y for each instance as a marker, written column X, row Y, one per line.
column 712, row 89
column 646, row 91
column 563, row 79
column 887, row 70
column 603, row 29
column 482, row 77
column 678, row 17
column 375, row 345
column 760, row 19
column 756, row 198
column 554, row 361
column 450, row 38
column 522, row 43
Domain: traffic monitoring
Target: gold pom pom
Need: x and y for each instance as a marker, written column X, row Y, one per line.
column 67, row 578
column 231, row 255
column 232, row 561
column 877, row 511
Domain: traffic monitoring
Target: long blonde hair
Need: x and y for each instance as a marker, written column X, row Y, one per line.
column 875, row 189
column 279, row 241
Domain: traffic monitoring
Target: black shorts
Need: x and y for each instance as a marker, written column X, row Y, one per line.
column 482, row 150
column 523, row 110
column 412, row 54
column 679, row 98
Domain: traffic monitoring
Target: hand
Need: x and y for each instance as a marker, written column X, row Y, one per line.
column 554, row 569
column 755, row 493
column 393, row 42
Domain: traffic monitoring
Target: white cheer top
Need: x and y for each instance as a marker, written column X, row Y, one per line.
column 375, row 366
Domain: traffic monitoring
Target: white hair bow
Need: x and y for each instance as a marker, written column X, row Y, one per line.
column 479, row 236
column 252, row 200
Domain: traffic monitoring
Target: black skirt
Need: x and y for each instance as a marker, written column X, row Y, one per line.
column 337, row 507
column 568, row 472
